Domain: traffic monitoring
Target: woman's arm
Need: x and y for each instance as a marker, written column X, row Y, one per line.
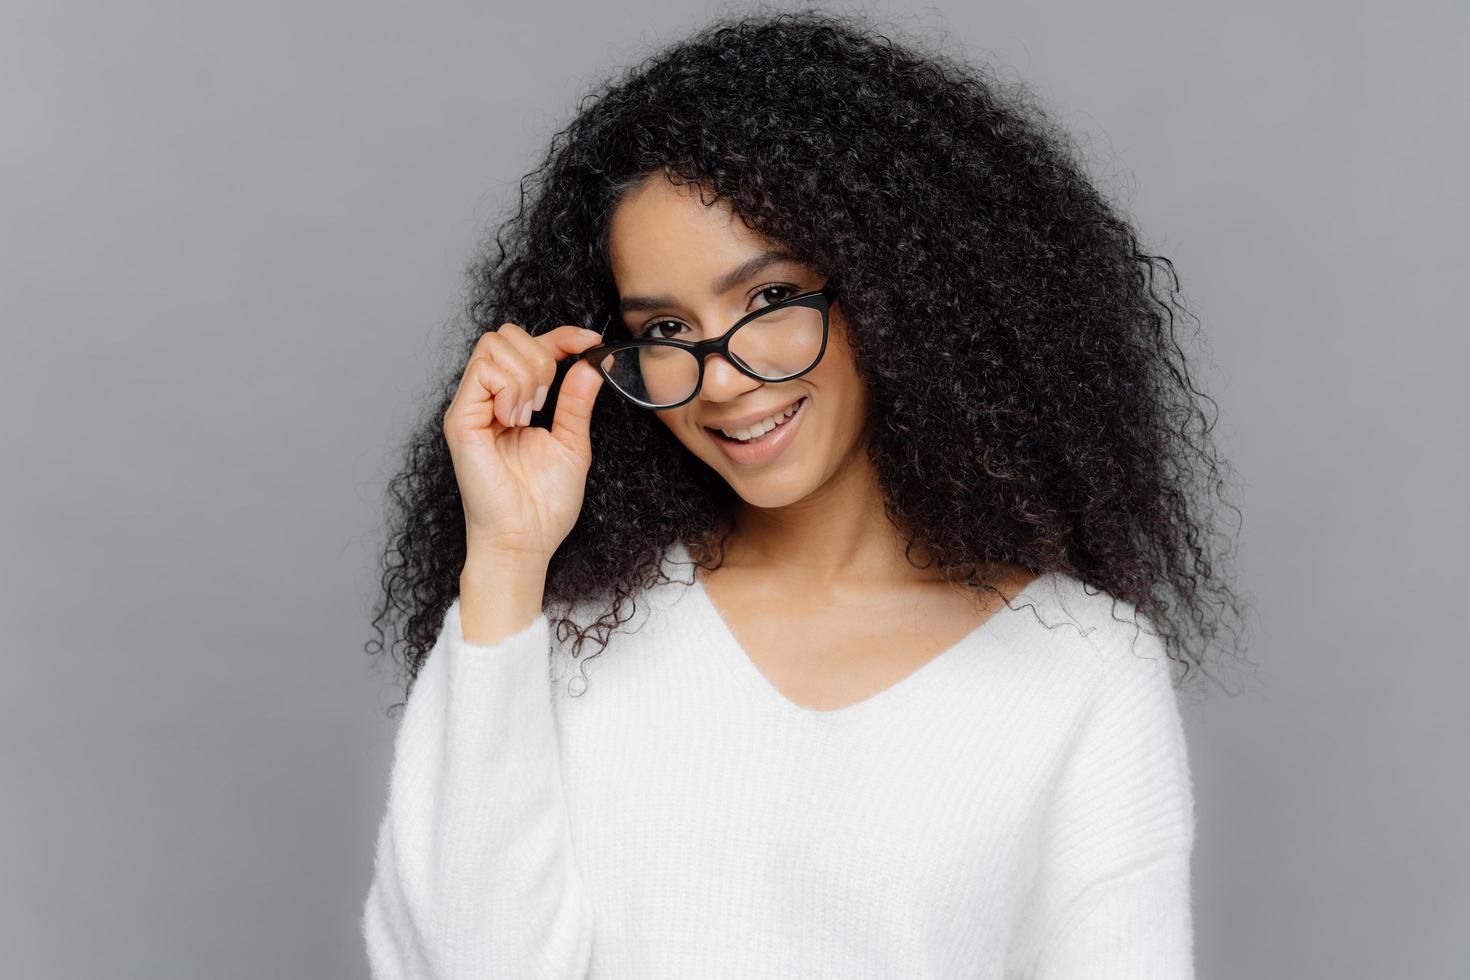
column 1113, row 895
column 474, row 874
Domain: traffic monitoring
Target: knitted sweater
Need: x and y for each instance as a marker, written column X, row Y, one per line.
column 1020, row 806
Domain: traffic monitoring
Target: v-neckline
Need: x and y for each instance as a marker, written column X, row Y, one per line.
column 931, row 671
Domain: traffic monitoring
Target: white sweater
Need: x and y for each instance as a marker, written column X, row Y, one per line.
column 1019, row 807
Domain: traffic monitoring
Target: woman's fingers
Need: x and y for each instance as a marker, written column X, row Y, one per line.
column 474, row 404
column 482, row 388
column 510, row 372
column 540, row 369
column 572, row 425
column 509, row 359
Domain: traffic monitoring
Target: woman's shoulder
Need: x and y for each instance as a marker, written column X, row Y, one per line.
column 675, row 579
column 647, row 611
column 1073, row 617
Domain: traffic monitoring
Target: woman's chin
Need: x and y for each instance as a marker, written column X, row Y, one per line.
column 768, row 490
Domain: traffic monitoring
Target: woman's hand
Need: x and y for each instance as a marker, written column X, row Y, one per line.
column 522, row 487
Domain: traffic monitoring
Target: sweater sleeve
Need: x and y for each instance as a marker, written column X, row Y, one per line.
column 473, row 872
column 1113, row 898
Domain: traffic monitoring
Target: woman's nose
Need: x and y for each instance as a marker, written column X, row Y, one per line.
column 723, row 380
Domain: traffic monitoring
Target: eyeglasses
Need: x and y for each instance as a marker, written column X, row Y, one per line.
column 778, row 342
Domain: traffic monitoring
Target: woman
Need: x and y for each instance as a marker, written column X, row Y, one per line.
column 885, row 575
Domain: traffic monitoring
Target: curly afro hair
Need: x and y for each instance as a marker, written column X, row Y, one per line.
column 1030, row 401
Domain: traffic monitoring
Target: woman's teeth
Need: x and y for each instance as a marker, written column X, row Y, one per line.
column 764, row 425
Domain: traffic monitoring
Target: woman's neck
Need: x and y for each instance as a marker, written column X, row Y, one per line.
column 837, row 533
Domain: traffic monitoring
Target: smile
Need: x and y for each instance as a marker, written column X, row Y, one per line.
column 772, row 435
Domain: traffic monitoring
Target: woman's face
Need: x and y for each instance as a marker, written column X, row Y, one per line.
column 672, row 258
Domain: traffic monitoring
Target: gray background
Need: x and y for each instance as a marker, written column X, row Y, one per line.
column 232, row 234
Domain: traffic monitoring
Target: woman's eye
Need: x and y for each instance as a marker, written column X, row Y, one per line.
column 785, row 292
column 655, row 330
column 649, row 331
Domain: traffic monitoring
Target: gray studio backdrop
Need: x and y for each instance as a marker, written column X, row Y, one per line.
column 232, row 232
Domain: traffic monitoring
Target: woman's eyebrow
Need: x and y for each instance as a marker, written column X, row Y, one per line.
column 722, row 284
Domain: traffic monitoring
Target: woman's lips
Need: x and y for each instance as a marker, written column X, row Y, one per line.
column 768, row 446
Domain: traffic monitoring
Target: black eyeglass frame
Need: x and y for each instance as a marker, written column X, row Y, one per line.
column 819, row 299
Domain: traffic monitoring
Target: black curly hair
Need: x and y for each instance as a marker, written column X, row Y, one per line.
column 1030, row 401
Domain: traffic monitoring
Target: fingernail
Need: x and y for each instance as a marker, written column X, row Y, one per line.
column 526, row 414
column 540, row 398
